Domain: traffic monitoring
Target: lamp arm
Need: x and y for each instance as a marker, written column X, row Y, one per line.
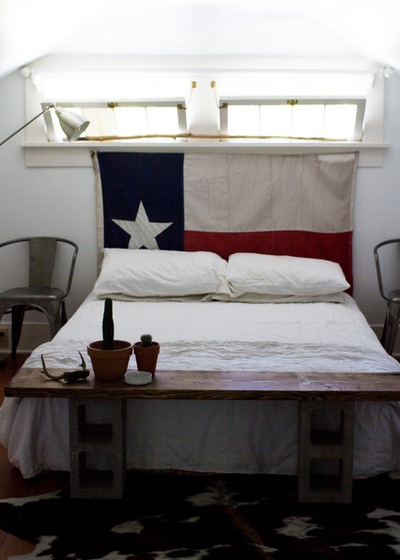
column 51, row 106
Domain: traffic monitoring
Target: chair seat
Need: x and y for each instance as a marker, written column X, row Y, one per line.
column 27, row 295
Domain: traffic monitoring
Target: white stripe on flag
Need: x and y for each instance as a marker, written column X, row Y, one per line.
column 238, row 193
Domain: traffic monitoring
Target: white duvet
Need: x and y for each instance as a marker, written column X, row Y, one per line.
column 213, row 436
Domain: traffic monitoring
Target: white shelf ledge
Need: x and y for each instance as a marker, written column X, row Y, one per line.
column 77, row 154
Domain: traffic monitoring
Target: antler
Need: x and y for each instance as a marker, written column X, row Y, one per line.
column 83, row 363
column 68, row 376
column 44, row 370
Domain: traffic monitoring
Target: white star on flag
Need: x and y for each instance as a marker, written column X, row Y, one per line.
column 143, row 232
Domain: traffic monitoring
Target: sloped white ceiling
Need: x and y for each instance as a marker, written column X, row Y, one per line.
column 32, row 29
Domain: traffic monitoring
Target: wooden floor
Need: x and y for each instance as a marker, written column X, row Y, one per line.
column 11, row 482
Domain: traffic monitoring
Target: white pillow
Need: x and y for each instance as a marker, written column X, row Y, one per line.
column 150, row 273
column 283, row 275
column 248, row 297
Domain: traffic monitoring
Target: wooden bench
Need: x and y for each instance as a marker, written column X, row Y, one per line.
column 325, row 466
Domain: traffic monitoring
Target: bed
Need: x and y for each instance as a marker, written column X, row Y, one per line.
column 214, row 331
column 252, row 310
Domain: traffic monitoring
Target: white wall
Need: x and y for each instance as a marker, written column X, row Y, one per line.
column 377, row 209
column 61, row 201
column 44, row 201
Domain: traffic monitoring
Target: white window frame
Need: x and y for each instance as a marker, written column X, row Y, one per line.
column 179, row 104
column 359, row 102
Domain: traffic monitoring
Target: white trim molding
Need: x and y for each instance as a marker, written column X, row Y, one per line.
column 77, row 154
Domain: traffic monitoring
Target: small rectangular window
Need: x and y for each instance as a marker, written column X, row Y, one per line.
column 322, row 119
column 124, row 120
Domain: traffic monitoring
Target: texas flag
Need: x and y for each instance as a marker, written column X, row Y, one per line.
column 293, row 205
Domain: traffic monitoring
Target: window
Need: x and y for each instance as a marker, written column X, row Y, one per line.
column 118, row 101
column 295, row 105
column 272, row 105
column 320, row 119
column 124, row 120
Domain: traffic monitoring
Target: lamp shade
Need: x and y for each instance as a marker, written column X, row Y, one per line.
column 72, row 124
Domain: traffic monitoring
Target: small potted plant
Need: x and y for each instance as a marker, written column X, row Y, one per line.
column 109, row 357
column 146, row 353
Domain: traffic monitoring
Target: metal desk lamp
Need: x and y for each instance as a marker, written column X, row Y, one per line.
column 72, row 124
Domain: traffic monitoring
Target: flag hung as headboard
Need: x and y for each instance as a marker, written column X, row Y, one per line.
column 271, row 204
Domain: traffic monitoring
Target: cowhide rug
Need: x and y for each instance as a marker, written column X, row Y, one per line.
column 219, row 517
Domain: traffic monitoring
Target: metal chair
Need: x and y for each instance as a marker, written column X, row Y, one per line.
column 47, row 265
column 387, row 262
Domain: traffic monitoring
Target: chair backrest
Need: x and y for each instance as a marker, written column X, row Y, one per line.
column 387, row 263
column 44, row 254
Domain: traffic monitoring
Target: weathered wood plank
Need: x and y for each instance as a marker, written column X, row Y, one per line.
column 218, row 385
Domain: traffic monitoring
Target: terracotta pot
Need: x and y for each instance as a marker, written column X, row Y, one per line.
column 146, row 356
column 110, row 365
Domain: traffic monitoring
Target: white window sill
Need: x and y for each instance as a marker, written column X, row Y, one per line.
column 77, row 154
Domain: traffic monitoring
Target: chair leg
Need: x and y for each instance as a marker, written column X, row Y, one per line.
column 390, row 328
column 17, row 319
column 54, row 314
column 63, row 313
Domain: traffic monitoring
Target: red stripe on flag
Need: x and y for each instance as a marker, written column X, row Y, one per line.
column 336, row 247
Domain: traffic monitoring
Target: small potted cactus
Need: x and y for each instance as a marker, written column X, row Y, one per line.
column 146, row 353
column 109, row 357
column 108, row 325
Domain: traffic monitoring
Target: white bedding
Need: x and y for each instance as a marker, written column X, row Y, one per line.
column 213, row 436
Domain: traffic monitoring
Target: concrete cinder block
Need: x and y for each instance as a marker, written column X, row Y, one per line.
column 325, row 469
column 87, row 439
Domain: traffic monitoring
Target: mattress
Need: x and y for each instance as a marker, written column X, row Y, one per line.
column 212, row 436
